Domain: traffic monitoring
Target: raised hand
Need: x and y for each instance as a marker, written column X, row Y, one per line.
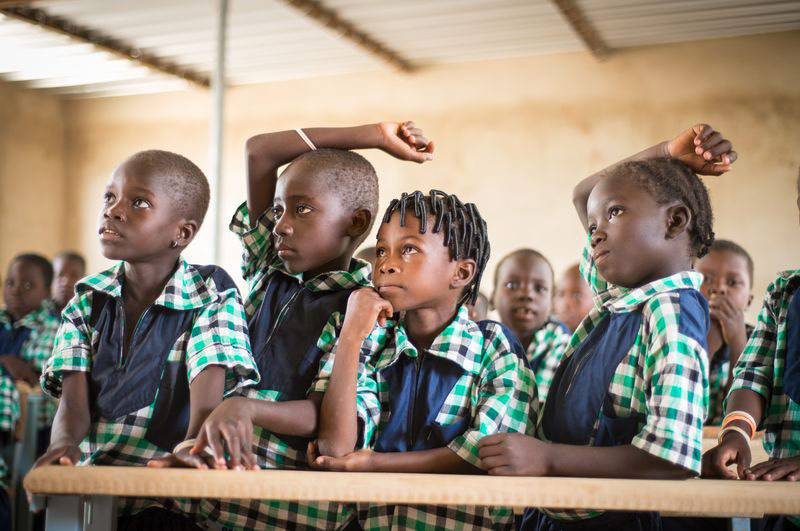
column 703, row 149
column 365, row 307
column 406, row 141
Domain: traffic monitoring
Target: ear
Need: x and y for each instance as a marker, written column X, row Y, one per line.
column 491, row 299
column 186, row 232
column 359, row 223
column 749, row 301
column 679, row 218
column 463, row 274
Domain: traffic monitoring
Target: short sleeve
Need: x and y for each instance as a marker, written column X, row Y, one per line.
column 219, row 337
column 677, row 389
column 504, row 401
column 9, row 403
column 258, row 251
column 72, row 351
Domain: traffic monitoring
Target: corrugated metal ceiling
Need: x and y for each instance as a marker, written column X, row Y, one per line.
column 270, row 41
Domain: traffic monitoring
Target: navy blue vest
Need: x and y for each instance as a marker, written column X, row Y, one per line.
column 791, row 371
column 119, row 387
column 12, row 339
column 418, row 388
column 538, row 361
column 580, row 386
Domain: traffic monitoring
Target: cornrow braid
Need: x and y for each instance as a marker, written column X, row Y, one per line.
column 464, row 230
column 668, row 180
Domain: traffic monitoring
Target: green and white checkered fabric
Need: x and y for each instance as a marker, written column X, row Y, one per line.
column 545, row 352
column 761, row 366
column 260, row 262
column 496, row 392
column 717, row 380
column 663, row 377
column 9, row 414
column 43, row 324
column 218, row 337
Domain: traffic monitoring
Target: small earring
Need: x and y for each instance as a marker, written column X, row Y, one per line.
column 173, row 244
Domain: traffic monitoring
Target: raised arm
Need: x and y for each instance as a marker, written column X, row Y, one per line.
column 700, row 147
column 267, row 152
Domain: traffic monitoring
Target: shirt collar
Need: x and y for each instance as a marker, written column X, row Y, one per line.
column 460, row 342
column 32, row 320
column 617, row 299
column 185, row 290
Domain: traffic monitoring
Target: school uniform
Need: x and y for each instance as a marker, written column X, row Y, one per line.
column 31, row 338
column 140, row 402
column 635, row 372
column 286, row 317
column 9, row 414
column 770, row 366
column 545, row 353
column 470, row 383
column 718, row 375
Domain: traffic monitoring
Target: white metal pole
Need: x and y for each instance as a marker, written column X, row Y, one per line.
column 217, row 127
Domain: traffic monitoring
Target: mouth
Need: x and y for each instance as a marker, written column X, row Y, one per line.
column 600, row 257
column 285, row 250
column 109, row 234
column 388, row 289
column 523, row 313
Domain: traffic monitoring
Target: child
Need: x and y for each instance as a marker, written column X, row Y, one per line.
column 441, row 380
column 69, row 268
column 479, row 310
column 727, row 272
column 27, row 324
column 766, row 394
column 299, row 232
column 148, row 347
column 523, row 296
column 573, row 299
column 629, row 399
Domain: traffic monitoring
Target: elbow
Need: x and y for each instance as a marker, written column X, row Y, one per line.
column 330, row 448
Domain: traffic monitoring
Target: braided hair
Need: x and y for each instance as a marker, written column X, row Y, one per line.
column 465, row 233
column 668, row 180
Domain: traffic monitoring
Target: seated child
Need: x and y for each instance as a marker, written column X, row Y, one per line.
column 148, row 347
column 69, row 267
column 441, row 381
column 9, row 415
column 573, row 299
column 765, row 394
column 630, row 396
column 523, row 296
column 299, row 231
column 479, row 310
column 727, row 272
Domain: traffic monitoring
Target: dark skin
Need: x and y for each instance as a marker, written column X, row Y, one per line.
column 24, row 291
column 615, row 211
column 413, row 274
column 139, row 225
column 573, row 300
column 523, row 295
column 734, row 449
column 68, row 271
column 726, row 285
column 314, row 233
column 478, row 311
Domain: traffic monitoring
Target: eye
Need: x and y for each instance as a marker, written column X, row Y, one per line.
column 592, row 228
column 27, row 286
column 614, row 212
column 141, row 203
column 409, row 249
column 302, row 210
column 108, row 197
column 380, row 252
column 540, row 289
column 512, row 285
column 274, row 212
column 734, row 283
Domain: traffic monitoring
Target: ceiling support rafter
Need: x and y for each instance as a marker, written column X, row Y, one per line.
column 583, row 27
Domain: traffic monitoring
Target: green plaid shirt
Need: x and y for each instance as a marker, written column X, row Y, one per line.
column 717, row 380
column 43, row 324
column 663, row 377
column 218, row 337
column 545, row 353
column 496, row 392
column 260, row 263
column 9, row 414
column 760, row 369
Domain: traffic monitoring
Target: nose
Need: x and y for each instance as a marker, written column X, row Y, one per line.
column 719, row 288
column 282, row 227
column 388, row 267
column 598, row 236
column 114, row 211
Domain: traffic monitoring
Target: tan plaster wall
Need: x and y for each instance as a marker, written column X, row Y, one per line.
column 514, row 136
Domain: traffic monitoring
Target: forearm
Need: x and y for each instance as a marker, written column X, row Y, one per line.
column 436, row 461
column 73, row 418
column 293, row 417
column 580, row 194
column 338, row 424
column 267, row 152
column 748, row 401
column 610, row 462
column 205, row 393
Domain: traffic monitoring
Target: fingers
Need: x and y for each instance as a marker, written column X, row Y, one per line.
column 491, row 439
column 489, row 463
column 702, row 131
column 234, row 444
column 502, row 471
column 330, row 463
column 162, row 462
column 215, row 443
column 200, row 443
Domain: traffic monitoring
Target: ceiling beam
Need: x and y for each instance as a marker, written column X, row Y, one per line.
column 331, row 19
column 102, row 41
column 583, row 27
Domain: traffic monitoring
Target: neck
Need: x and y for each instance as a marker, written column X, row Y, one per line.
column 714, row 338
column 342, row 263
column 526, row 338
column 425, row 324
column 669, row 268
column 144, row 281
